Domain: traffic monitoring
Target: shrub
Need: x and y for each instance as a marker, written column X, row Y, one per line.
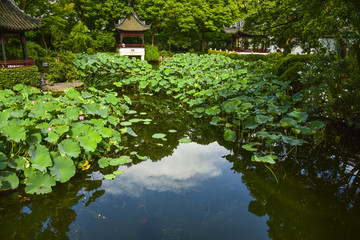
column 9, row 77
column 151, row 53
column 245, row 57
column 62, row 69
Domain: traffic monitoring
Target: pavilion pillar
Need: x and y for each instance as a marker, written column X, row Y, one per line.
column 237, row 41
column 142, row 38
column 232, row 42
column 23, row 41
column 3, row 45
column 121, row 40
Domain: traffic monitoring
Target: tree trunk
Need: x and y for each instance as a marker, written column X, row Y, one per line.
column 152, row 38
column 202, row 42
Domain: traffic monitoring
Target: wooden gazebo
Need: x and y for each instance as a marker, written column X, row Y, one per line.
column 131, row 26
column 13, row 21
column 237, row 31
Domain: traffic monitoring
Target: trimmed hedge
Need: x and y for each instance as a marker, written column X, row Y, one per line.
column 9, row 77
column 151, row 53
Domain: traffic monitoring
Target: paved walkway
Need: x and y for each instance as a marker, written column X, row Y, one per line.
column 61, row 87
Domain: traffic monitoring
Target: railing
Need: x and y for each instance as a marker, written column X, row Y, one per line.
column 17, row 63
column 130, row 45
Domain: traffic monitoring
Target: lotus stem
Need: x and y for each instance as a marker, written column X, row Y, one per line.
column 272, row 173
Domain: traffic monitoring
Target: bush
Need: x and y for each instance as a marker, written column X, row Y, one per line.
column 245, row 57
column 151, row 53
column 9, row 77
column 62, row 69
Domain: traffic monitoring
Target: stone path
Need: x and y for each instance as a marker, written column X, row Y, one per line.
column 61, row 87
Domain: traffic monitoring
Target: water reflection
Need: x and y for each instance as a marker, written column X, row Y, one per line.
column 190, row 165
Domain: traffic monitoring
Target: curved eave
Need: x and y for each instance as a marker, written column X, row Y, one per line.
column 12, row 19
column 132, row 23
column 236, row 31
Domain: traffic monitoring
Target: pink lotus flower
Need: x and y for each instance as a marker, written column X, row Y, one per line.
column 33, row 102
column 81, row 118
column 50, row 128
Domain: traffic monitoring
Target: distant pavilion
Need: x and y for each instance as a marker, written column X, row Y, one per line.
column 13, row 21
column 131, row 27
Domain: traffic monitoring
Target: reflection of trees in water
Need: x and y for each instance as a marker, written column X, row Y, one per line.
column 318, row 193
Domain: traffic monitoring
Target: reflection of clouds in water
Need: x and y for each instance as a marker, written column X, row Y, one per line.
column 190, row 164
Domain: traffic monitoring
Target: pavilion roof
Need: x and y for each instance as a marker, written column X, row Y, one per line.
column 237, row 29
column 132, row 23
column 13, row 19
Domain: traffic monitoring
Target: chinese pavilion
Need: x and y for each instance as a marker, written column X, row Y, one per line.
column 131, row 27
column 237, row 31
column 13, row 21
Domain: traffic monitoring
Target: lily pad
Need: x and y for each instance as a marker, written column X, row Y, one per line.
column 3, row 161
column 120, row 160
column 266, row 159
column 15, row 132
column 230, row 135
column 8, row 180
column 184, row 140
column 88, row 143
column 103, row 162
column 249, row 147
column 39, row 183
column 70, row 148
column 158, row 135
column 40, row 157
column 63, row 169
column 118, row 172
column 109, row 176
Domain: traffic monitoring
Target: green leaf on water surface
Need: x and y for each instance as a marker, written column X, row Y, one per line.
column 158, row 135
column 118, row 172
column 87, row 95
column 135, row 120
column 292, row 140
column 131, row 132
column 184, row 140
column 15, row 132
column 213, row 111
column 39, row 183
column 266, row 159
column 125, row 124
column 127, row 99
column 315, row 125
column 88, row 143
column 261, row 119
column 34, row 139
column 105, row 132
column 95, row 136
column 249, row 147
column 63, row 169
column 120, row 160
column 250, row 123
column 17, row 163
column 111, row 98
column 109, row 176
column 91, row 108
column 3, row 161
column 200, row 110
column 131, row 112
column 70, row 148
column 288, row 122
column 172, row 131
column 40, row 157
column 8, row 180
column 103, row 112
column 52, row 137
column 143, row 113
column 230, row 135
column 103, row 162
column 113, row 120
column 299, row 116
column 214, row 120
column 305, row 130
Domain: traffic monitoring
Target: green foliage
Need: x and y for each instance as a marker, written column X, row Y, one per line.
column 44, row 137
column 103, row 41
column 9, row 77
column 236, row 56
column 151, row 53
column 62, row 69
column 79, row 39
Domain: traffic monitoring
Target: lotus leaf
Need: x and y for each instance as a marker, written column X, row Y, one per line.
column 40, row 157
column 120, row 160
column 103, row 162
column 103, row 112
column 251, row 123
column 3, row 161
column 15, row 132
column 172, row 131
column 52, row 137
column 91, row 108
column 125, row 124
column 4, row 116
column 266, row 159
column 109, row 176
column 158, row 135
column 131, row 132
column 70, row 148
column 17, row 163
column 261, row 119
column 113, row 120
column 105, row 132
column 184, row 140
column 34, row 139
column 63, row 169
column 88, row 143
column 299, row 116
column 315, row 125
column 230, row 135
column 72, row 113
column 127, row 99
column 8, row 180
column 249, row 147
column 39, row 183
column 288, row 122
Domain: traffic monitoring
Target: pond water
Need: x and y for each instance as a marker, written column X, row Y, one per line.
column 205, row 189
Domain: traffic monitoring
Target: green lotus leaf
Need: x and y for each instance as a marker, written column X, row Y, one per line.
column 17, row 113
column 72, row 113
column 111, row 98
column 305, row 130
column 39, row 183
column 88, row 143
column 315, row 125
column 125, row 124
column 17, row 163
column 120, row 160
column 159, row 135
column 109, row 176
column 52, row 137
column 261, row 119
column 230, row 106
column 34, row 139
column 127, row 99
column 131, row 112
column 299, row 116
column 118, row 172
column 214, row 120
column 8, row 180
column 95, row 136
column 3, row 161
column 113, row 120
column 4, row 117
column 70, row 148
column 288, row 122
column 249, row 147
column 251, row 123
column 105, row 132
column 245, row 106
column 91, row 108
column 61, row 129
column 172, row 131
column 184, row 140
column 116, row 135
column 103, row 162
column 63, row 169
column 135, row 120
column 103, row 112
column 131, row 132
column 40, row 157
column 15, row 132
column 266, row 159
column 230, row 135
column 79, row 129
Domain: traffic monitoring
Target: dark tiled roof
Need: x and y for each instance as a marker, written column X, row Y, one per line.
column 237, row 29
column 12, row 18
column 131, row 23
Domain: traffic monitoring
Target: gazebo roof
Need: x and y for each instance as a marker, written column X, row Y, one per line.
column 237, row 29
column 13, row 19
column 132, row 23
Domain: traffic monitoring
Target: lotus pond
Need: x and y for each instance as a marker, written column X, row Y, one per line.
column 203, row 148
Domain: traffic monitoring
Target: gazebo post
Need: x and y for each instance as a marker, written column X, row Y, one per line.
column 3, row 45
column 23, row 41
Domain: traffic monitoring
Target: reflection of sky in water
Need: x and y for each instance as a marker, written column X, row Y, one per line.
column 190, row 165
